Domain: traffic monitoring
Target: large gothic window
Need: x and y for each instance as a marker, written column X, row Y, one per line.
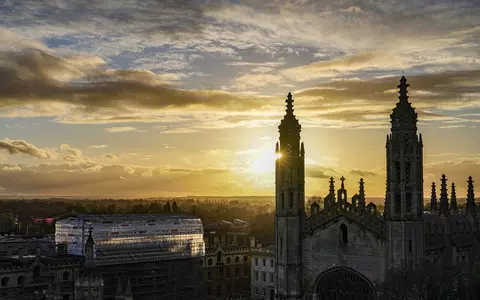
column 343, row 283
column 408, row 203
column 290, row 199
column 343, row 234
column 398, row 206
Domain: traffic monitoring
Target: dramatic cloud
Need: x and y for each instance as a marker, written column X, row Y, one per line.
column 23, row 147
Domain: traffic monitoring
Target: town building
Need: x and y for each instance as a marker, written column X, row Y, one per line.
column 227, row 271
column 17, row 245
column 263, row 273
column 347, row 249
column 149, row 256
column 35, row 277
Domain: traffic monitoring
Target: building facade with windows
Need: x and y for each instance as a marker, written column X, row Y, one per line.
column 39, row 277
column 227, row 271
column 263, row 273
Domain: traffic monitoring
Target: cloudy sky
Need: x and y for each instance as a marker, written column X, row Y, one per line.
column 183, row 97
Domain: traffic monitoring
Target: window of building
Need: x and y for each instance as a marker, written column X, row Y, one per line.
column 264, row 261
column 410, row 246
column 21, row 280
column 237, row 259
column 219, row 256
column 272, row 263
column 209, row 275
column 245, row 258
column 256, row 261
column 210, row 261
column 229, row 260
column 245, row 272
column 256, row 275
column 36, row 272
column 264, row 291
column 271, row 277
column 5, row 281
column 66, row 275
column 237, row 272
column 256, row 290
column 344, row 234
column 264, row 276
column 219, row 272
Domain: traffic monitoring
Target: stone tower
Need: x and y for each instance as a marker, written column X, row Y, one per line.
column 290, row 206
column 404, row 201
column 89, row 285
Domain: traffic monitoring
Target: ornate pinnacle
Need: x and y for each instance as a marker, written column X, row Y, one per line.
column 453, row 199
column 403, row 90
column 289, row 101
column 342, row 179
column 302, row 149
column 443, row 195
column 433, row 198
column 361, row 191
column 332, row 187
column 470, row 197
column 276, row 148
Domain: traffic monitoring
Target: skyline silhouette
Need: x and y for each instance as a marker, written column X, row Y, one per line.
column 178, row 98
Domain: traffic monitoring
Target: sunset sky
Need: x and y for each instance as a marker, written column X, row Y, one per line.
column 183, row 97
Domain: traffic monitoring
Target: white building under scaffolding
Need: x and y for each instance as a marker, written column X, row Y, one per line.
column 154, row 252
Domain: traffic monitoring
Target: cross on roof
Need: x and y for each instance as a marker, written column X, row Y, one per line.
column 342, row 179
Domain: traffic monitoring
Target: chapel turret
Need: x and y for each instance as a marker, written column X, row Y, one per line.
column 290, row 206
column 404, row 191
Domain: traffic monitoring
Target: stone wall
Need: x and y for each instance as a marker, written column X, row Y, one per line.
column 324, row 249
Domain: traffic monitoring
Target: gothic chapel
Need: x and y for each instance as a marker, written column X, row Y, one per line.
column 345, row 249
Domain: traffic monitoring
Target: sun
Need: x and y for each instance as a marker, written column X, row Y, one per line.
column 263, row 162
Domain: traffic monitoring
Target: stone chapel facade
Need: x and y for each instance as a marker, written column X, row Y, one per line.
column 345, row 249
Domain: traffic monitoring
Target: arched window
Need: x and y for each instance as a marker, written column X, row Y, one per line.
column 245, row 258
column 237, row 259
column 408, row 203
column 36, row 272
column 66, row 275
column 210, row 261
column 5, row 281
column 344, row 233
column 219, row 256
column 21, row 280
column 229, row 260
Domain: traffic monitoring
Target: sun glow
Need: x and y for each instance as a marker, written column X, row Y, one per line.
column 263, row 162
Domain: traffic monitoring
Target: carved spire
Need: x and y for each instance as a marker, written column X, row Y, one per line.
column 420, row 140
column 89, row 245
column 289, row 102
column 443, row 196
column 403, row 90
column 470, row 197
column 277, row 149
column 433, row 198
column 342, row 187
column 361, row 195
column 302, row 150
column 332, row 188
column 453, row 199
column 403, row 116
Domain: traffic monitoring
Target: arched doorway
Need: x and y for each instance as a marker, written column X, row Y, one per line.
column 341, row 283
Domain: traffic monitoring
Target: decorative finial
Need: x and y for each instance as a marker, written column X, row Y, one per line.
column 289, row 102
column 342, row 179
column 453, row 199
column 403, row 90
